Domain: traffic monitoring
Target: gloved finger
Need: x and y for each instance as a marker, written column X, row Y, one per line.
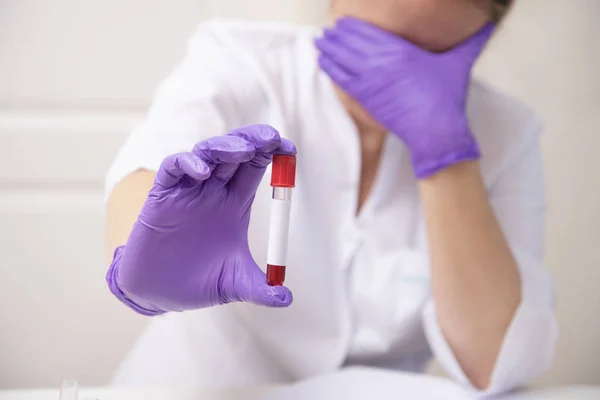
column 473, row 46
column 286, row 147
column 358, row 44
column 371, row 39
column 267, row 136
column 223, row 173
column 336, row 72
column 176, row 166
column 224, row 154
column 373, row 33
column 342, row 55
column 224, row 149
column 267, row 142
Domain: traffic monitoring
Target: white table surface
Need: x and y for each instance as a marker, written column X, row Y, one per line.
column 141, row 394
column 561, row 393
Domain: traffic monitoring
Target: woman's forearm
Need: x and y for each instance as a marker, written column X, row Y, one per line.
column 475, row 279
column 123, row 207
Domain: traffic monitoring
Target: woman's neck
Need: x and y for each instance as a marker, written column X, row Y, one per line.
column 371, row 146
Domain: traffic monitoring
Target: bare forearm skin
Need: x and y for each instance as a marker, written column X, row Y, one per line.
column 475, row 279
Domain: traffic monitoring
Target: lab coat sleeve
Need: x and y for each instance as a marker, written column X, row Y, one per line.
column 209, row 93
column 517, row 197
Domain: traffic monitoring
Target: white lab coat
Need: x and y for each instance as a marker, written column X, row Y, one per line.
column 361, row 284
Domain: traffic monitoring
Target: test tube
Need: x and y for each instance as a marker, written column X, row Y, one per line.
column 69, row 390
column 283, row 180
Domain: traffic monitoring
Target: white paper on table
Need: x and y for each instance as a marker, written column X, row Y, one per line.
column 360, row 383
column 561, row 393
column 367, row 383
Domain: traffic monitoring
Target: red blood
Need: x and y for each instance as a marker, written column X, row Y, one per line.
column 275, row 275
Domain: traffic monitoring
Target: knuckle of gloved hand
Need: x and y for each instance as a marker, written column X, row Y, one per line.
column 221, row 144
column 209, row 149
column 227, row 150
column 263, row 137
column 267, row 132
column 169, row 162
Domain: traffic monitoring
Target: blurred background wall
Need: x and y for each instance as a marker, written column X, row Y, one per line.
column 76, row 75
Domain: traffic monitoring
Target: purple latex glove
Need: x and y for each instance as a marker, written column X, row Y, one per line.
column 418, row 95
column 189, row 247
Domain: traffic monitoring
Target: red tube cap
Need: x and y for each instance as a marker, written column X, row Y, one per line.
column 283, row 171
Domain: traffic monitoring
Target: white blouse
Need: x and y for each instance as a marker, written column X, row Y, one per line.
column 361, row 284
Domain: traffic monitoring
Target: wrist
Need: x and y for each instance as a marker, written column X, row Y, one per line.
column 442, row 147
column 460, row 173
column 426, row 167
column 112, row 281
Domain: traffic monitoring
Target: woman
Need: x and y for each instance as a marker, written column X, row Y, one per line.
column 417, row 220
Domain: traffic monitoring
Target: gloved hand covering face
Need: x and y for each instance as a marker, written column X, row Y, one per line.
column 189, row 246
column 418, row 95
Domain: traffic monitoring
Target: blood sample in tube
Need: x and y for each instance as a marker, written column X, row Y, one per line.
column 283, row 180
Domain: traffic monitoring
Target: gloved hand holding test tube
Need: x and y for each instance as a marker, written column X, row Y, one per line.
column 189, row 247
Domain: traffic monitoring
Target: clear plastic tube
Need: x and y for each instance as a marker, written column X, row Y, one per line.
column 69, row 390
column 278, row 236
column 282, row 193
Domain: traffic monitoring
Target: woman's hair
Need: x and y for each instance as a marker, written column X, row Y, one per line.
column 498, row 9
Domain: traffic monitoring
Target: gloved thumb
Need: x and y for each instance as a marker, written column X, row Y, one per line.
column 260, row 293
column 271, row 296
column 248, row 283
